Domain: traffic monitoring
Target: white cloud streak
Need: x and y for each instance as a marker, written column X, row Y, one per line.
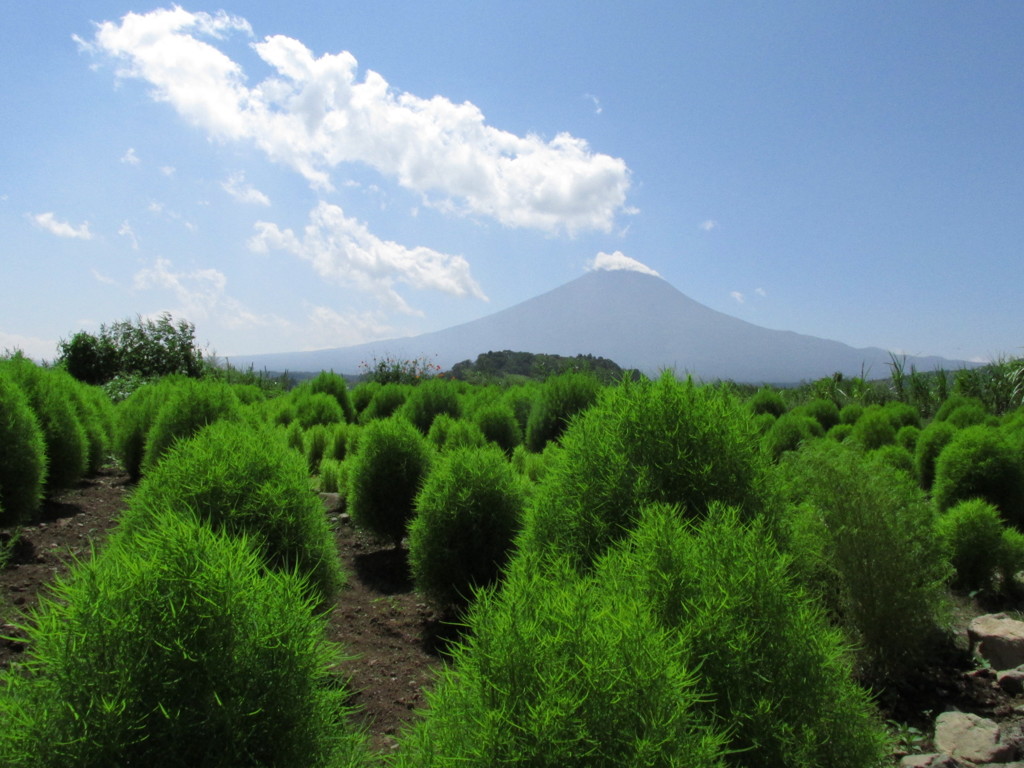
column 343, row 250
column 739, row 297
column 314, row 114
column 51, row 224
column 130, row 158
column 242, row 192
column 125, row 230
column 329, row 328
column 619, row 260
column 708, row 225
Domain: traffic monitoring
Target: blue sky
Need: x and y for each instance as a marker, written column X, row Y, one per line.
column 319, row 174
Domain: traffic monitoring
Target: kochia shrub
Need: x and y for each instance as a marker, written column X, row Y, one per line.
column 498, row 423
column 874, row 429
column 868, row 534
column 767, row 400
column 334, row 385
column 930, row 443
column 648, row 441
column 190, row 407
column 558, row 399
column 901, row 414
column 316, row 441
column 971, row 534
column 385, row 475
column 386, row 400
column 316, row 408
column 430, row 399
column 906, row 437
column 558, row 671
column 467, row 515
column 134, row 418
column 979, row 462
column 788, row 432
column 333, row 475
column 825, row 412
column 447, row 433
column 851, row 413
column 244, row 481
column 772, row 667
column 896, row 456
column 22, row 455
column 175, row 649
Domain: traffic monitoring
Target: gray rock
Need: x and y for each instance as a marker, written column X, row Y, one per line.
column 331, row 501
column 972, row 738
column 1011, row 680
column 998, row 639
column 933, row 760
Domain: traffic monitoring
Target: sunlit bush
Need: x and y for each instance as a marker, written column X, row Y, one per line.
column 930, row 443
column 979, row 462
column 971, row 534
column 557, row 400
column 22, row 457
column 188, row 408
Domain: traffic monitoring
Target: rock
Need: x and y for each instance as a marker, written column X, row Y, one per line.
column 331, row 501
column 934, row 760
column 1012, row 680
column 972, row 738
column 998, row 639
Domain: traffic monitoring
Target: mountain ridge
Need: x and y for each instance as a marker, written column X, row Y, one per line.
column 637, row 320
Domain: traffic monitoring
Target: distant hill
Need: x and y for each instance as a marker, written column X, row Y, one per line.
column 637, row 320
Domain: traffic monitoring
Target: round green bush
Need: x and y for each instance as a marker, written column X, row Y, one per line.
column 188, row 408
column 901, row 414
column 969, row 414
column 979, row 462
column 498, row 423
column 134, row 418
column 560, row 398
column 333, row 475
column 955, row 401
column 385, row 476
column 788, row 432
column 338, row 443
column 22, row 456
column 767, row 400
column 643, row 442
column 971, row 533
column 1011, row 559
column 316, row 408
column 840, row 432
column 447, row 433
column 430, row 399
column 906, row 437
column 247, row 482
column 851, row 413
column 315, row 443
column 332, row 384
column 930, row 443
column 823, row 411
column 177, row 649
column 386, row 400
column 873, row 429
column 896, row 456
column 362, row 394
column 467, row 514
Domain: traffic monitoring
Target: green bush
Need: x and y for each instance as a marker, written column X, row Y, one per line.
column 533, row 466
column 244, row 481
column 430, row 399
column 97, row 415
column 334, row 385
column 874, row 429
column 840, row 432
column 823, row 411
column 771, row 666
column 970, row 414
column 871, row 540
column 558, row 399
column 557, row 671
column 767, row 400
column 896, row 456
column 467, row 515
column 851, row 413
column 22, row 455
column 643, row 442
column 498, row 423
column 971, row 534
column 979, row 462
column 385, row 476
column 386, row 400
column 788, row 432
column 316, row 408
column 315, row 442
column 901, row 414
column 333, row 475
column 64, row 436
column 955, row 401
column 930, row 443
column 1011, row 559
column 362, row 394
column 295, row 437
column 341, row 436
column 134, row 418
column 906, row 437
column 188, row 408
column 176, row 650
column 447, row 433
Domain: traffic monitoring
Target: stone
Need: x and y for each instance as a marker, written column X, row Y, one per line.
column 972, row 738
column 933, row 760
column 1011, row 680
column 998, row 639
column 331, row 501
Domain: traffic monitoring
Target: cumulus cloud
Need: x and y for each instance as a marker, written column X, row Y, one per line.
column 343, row 250
column 51, row 224
column 619, row 260
column 314, row 114
column 201, row 294
column 130, row 157
column 244, row 193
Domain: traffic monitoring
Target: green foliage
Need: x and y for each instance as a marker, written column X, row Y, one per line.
column 428, row 400
column 334, row 385
column 906, row 437
column 767, row 400
column 661, row 441
column 1011, row 559
column 955, row 401
column 874, row 429
column 501, row 366
column 50, row 398
column 341, row 435
column 362, row 394
column 559, row 672
column 866, row 546
column 970, row 414
column 22, row 455
column 902, row 415
column 386, row 400
column 980, row 462
column 467, row 515
column 393, row 370
column 930, row 443
column 788, row 432
column 971, row 534
column 823, row 411
column 248, row 483
column 176, row 650
column 498, row 424
column 385, row 476
column 840, row 432
column 896, row 456
column 133, row 420
column 316, row 408
column 533, row 466
column 447, row 433
column 560, row 398
column 189, row 407
column 851, row 413
column 774, row 671
column 333, row 475
column 295, row 437
column 146, row 348
column 315, row 443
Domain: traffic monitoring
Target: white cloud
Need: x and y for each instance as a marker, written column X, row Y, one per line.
column 244, row 193
column 51, row 224
column 125, row 230
column 330, row 328
column 101, row 278
column 343, row 250
column 598, row 109
column 618, row 260
column 708, row 224
column 761, row 292
column 314, row 114
column 201, row 295
column 168, row 170
column 739, row 297
column 130, row 157
column 32, row 346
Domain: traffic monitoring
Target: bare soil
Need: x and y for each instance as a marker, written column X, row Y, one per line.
column 395, row 641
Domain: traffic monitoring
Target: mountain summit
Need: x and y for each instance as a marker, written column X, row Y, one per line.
column 638, row 320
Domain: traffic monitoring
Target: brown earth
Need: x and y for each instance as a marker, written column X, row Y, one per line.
column 395, row 640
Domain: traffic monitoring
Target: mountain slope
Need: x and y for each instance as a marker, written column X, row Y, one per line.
column 637, row 320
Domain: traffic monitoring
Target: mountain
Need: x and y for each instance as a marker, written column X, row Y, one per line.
column 637, row 320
